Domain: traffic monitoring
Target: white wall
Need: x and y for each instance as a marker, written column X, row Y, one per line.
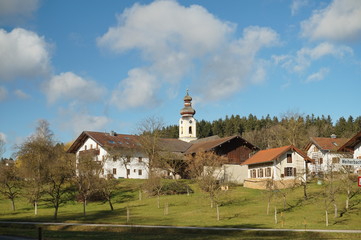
column 138, row 170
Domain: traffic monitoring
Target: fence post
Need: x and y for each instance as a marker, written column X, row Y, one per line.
column 40, row 233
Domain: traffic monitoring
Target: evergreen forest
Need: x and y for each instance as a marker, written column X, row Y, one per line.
column 269, row 132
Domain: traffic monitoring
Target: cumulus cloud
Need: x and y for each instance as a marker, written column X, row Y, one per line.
column 22, row 54
column 229, row 71
column 340, row 21
column 172, row 39
column 78, row 121
column 16, row 11
column 70, row 86
column 304, row 57
column 317, row 76
column 3, row 93
column 296, row 5
column 135, row 91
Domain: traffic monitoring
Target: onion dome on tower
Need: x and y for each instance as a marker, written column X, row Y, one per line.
column 187, row 123
column 187, row 111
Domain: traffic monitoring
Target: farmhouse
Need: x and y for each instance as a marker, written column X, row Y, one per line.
column 325, row 153
column 132, row 161
column 283, row 166
column 353, row 146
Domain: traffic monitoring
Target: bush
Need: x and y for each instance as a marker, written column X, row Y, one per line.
column 177, row 187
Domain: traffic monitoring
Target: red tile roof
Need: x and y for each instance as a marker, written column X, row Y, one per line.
column 332, row 144
column 351, row 144
column 269, row 155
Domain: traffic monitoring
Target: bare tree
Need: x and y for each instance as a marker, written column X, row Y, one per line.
column 150, row 134
column 205, row 168
column 348, row 180
column 108, row 187
column 121, row 154
column 10, row 184
column 59, row 177
column 88, row 173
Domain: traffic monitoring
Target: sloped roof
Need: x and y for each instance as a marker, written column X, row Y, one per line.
column 331, row 144
column 103, row 139
column 351, row 144
column 269, row 155
column 213, row 143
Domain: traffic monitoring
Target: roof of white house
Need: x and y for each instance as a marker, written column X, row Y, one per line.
column 272, row 154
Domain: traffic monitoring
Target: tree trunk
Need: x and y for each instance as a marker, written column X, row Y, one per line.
column 36, row 207
column 276, row 215
column 268, row 206
column 110, row 204
column 217, row 212
column 305, row 190
column 128, row 214
column 56, row 212
column 140, row 195
column 84, row 207
column 13, row 204
column 326, row 218
column 335, row 207
column 348, row 199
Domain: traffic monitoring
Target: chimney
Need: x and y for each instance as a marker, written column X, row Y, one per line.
column 333, row 136
column 113, row 133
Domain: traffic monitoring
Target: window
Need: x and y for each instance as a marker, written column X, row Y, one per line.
column 268, row 172
column 102, row 171
column 253, row 173
column 320, row 161
column 181, row 130
column 260, row 172
column 85, row 147
column 128, row 159
column 289, row 158
column 128, row 172
column 335, row 160
column 289, row 172
column 135, row 170
column 114, row 171
column 190, row 130
column 140, row 159
column 97, row 146
column 140, row 172
column 315, row 149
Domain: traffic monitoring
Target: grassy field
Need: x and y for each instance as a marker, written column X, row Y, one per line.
column 239, row 207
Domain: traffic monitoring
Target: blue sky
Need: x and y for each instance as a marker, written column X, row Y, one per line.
column 107, row 65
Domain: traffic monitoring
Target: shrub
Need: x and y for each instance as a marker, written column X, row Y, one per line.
column 176, row 187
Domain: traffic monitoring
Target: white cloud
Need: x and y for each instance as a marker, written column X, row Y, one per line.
column 340, row 21
column 22, row 54
column 135, row 91
column 306, row 56
column 3, row 136
column 3, row 93
column 21, row 94
column 236, row 66
column 16, row 11
column 317, row 76
column 77, row 121
column 296, row 5
column 172, row 39
column 72, row 87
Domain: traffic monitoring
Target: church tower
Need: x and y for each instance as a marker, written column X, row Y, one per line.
column 187, row 123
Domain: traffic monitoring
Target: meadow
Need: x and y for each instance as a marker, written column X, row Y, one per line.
column 239, row 207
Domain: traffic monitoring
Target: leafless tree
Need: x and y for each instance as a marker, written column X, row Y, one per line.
column 10, row 184
column 205, row 168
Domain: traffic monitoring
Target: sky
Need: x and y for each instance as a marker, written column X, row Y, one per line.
column 108, row 65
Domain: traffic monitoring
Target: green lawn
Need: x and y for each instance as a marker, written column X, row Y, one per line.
column 239, row 207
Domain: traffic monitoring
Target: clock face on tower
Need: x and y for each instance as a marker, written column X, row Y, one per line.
column 190, row 121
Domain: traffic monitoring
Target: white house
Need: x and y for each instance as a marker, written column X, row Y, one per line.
column 324, row 152
column 283, row 165
column 354, row 146
column 132, row 164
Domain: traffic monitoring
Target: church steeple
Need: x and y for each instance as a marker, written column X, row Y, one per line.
column 187, row 123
